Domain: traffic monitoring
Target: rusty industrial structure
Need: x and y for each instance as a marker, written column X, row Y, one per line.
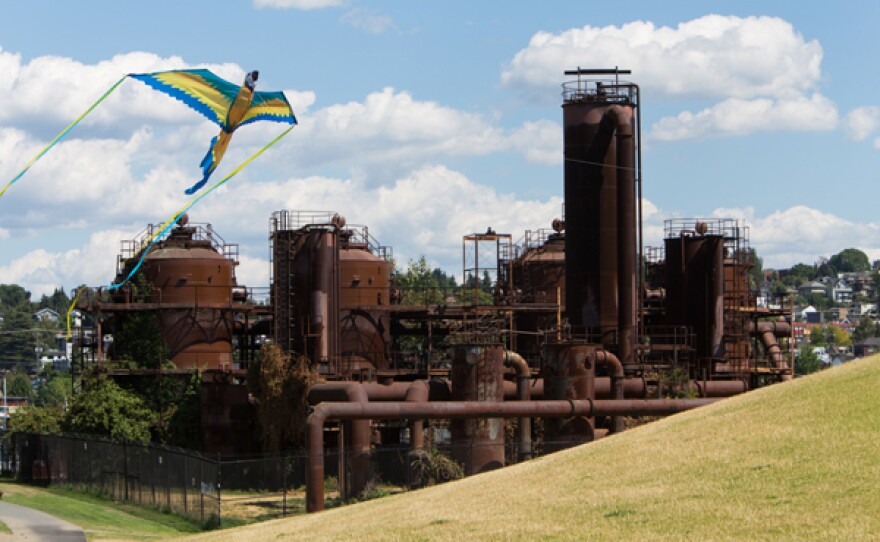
column 579, row 325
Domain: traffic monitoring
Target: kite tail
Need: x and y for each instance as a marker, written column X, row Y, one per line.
column 211, row 160
column 60, row 136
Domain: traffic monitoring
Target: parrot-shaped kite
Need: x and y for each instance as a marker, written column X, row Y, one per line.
column 222, row 102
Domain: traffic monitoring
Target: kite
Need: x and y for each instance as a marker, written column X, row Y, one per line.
column 221, row 102
column 224, row 103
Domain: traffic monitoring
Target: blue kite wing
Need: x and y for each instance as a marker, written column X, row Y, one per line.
column 200, row 89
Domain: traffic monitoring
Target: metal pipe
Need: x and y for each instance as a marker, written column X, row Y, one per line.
column 523, row 393
column 359, row 431
column 615, row 371
column 626, row 231
column 361, row 410
column 769, row 331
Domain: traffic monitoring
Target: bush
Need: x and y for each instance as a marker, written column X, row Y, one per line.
column 434, row 467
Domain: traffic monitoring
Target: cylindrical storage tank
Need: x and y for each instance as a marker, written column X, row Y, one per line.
column 184, row 271
column 477, row 375
column 568, row 374
column 540, row 273
column 600, row 216
column 695, row 289
column 364, row 282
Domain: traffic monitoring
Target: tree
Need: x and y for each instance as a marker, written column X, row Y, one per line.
column 819, row 300
column 850, row 260
column 17, row 340
column 13, row 296
column 420, row 285
column 20, row 385
column 103, row 408
column 806, row 362
column 829, row 336
column 53, row 389
column 866, row 329
column 138, row 340
column 280, row 385
column 798, row 274
column 32, row 419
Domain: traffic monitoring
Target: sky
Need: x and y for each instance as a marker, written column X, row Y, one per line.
column 427, row 121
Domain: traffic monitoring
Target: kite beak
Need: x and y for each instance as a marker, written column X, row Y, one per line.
column 251, row 79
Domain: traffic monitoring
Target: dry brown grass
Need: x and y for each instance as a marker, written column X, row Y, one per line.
column 795, row 461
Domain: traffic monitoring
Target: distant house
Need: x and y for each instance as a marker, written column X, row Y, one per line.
column 46, row 315
column 864, row 308
column 840, row 292
column 868, row 347
column 813, row 287
column 837, row 314
column 799, row 330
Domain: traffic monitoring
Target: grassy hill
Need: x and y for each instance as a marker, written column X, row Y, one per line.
column 799, row 460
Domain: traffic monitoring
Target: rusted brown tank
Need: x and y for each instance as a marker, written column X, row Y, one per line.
column 538, row 277
column 364, row 282
column 539, row 274
column 193, row 284
column 568, row 374
column 695, row 289
column 327, row 279
column 600, row 224
column 477, row 375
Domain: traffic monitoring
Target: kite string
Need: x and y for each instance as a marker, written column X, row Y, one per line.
column 61, row 135
column 153, row 239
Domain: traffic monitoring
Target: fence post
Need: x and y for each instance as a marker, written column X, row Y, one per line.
column 219, row 478
column 185, row 483
column 201, row 492
column 284, row 487
column 168, row 482
column 125, row 467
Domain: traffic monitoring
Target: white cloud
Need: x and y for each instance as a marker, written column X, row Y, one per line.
column 425, row 212
column 298, row 4
column 764, row 73
column 740, row 117
column 367, row 20
column 540, row 142
column 861, row 122
column 711, row 56
column 40, row 271
column 802, row 234
column 391, row 128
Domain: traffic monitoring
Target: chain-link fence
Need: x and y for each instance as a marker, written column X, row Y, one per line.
column 254, row 488
column 169, row 479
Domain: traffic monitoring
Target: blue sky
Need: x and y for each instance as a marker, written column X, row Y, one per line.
column 428, row 121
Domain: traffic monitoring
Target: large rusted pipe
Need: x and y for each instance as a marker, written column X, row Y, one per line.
column 523, row 393
column 465, row 409
column 626, row 231
column 769, row 331
column 633, row 388
column 417, row 392
column 358, row 432
column 478, row 375
column 615, row 371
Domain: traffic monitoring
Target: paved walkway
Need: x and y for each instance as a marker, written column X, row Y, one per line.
column 32, row 525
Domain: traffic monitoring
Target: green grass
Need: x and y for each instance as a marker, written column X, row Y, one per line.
column 4, row 529
column 793, row 461
column 100, row 518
